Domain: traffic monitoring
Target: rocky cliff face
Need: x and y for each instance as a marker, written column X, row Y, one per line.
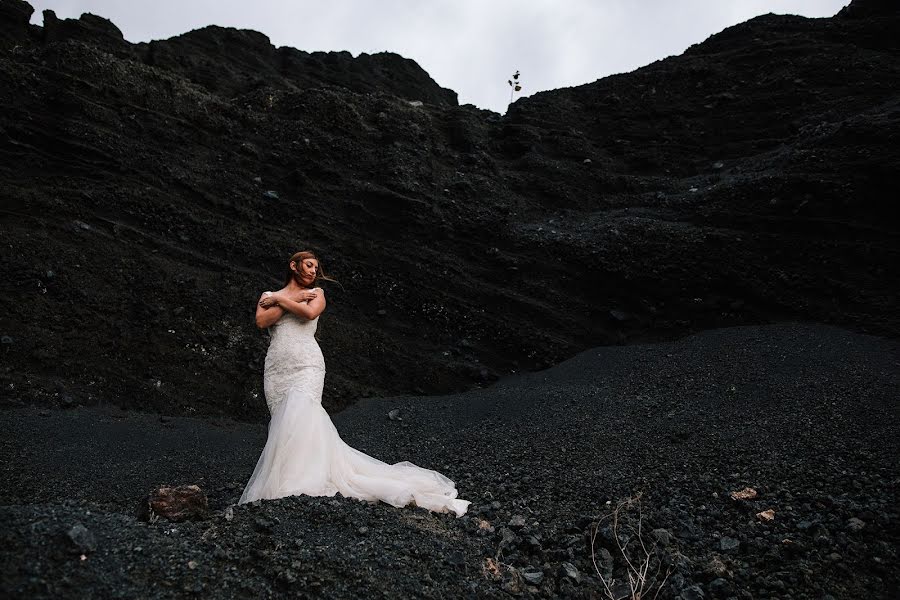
column 151, row 191
column 231, row 62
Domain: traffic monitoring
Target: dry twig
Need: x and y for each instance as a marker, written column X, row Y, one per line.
column 637, row 556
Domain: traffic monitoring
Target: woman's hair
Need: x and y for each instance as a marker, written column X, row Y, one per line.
column 298, row 257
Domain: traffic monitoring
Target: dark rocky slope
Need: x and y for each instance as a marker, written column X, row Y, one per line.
column 151, row 191
column 805, row 415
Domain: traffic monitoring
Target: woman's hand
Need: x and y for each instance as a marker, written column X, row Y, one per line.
column 306, row 296
column 269, row 299
column 307, row 304
column 277, row 298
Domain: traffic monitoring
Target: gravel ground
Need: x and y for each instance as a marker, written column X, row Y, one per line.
column 804, row 414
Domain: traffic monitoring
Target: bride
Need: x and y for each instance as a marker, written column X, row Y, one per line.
column 304, row 453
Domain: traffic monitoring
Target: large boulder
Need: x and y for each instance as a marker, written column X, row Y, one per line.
column 89, row 29
column 180, row 503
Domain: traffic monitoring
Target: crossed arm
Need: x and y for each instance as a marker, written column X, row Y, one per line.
column 272, row 305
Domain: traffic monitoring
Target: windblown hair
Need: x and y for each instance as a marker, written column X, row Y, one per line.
column 299, row 257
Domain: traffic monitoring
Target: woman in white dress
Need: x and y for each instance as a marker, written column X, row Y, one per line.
column 304, row 453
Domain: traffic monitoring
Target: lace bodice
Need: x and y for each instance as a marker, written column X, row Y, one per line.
column 290, row 327
column 292, row 347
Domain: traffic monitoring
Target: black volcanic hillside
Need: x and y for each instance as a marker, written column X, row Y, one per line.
column 231, row 62
column 151, row 191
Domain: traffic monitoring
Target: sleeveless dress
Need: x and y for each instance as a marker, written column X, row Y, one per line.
column 304, row 453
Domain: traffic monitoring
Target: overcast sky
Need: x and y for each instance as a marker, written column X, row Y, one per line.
column 469, row 46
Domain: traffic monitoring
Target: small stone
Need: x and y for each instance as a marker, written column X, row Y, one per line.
column 855, row 524
column 619, row 315
column 415, row 103
column 257, row 180
column 766, row 515
column 745, row 494
column 271, row 194
column 263, row 525
column 695, row 592
column 394, row 415
column 177, row 503
column 606, row 558
column 571, row 571
column 287, row 576
column 533, row 575
column 662, row 536
column 229, row 513
column 508, row 538
column 363, row 530
column 728, row 544
column 689, row 532
column 586, row 161
column 517, row 522
column 192, row 564
column 82, row 539
column 381, row 312
column 719, row 586
column 6, row 339
column 718, row 165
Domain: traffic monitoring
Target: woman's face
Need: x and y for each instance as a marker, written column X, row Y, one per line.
column 306, row 269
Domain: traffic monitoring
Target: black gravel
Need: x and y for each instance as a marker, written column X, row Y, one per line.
column 804, row 414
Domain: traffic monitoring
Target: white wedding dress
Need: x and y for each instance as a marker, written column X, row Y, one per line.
column 304, row 453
